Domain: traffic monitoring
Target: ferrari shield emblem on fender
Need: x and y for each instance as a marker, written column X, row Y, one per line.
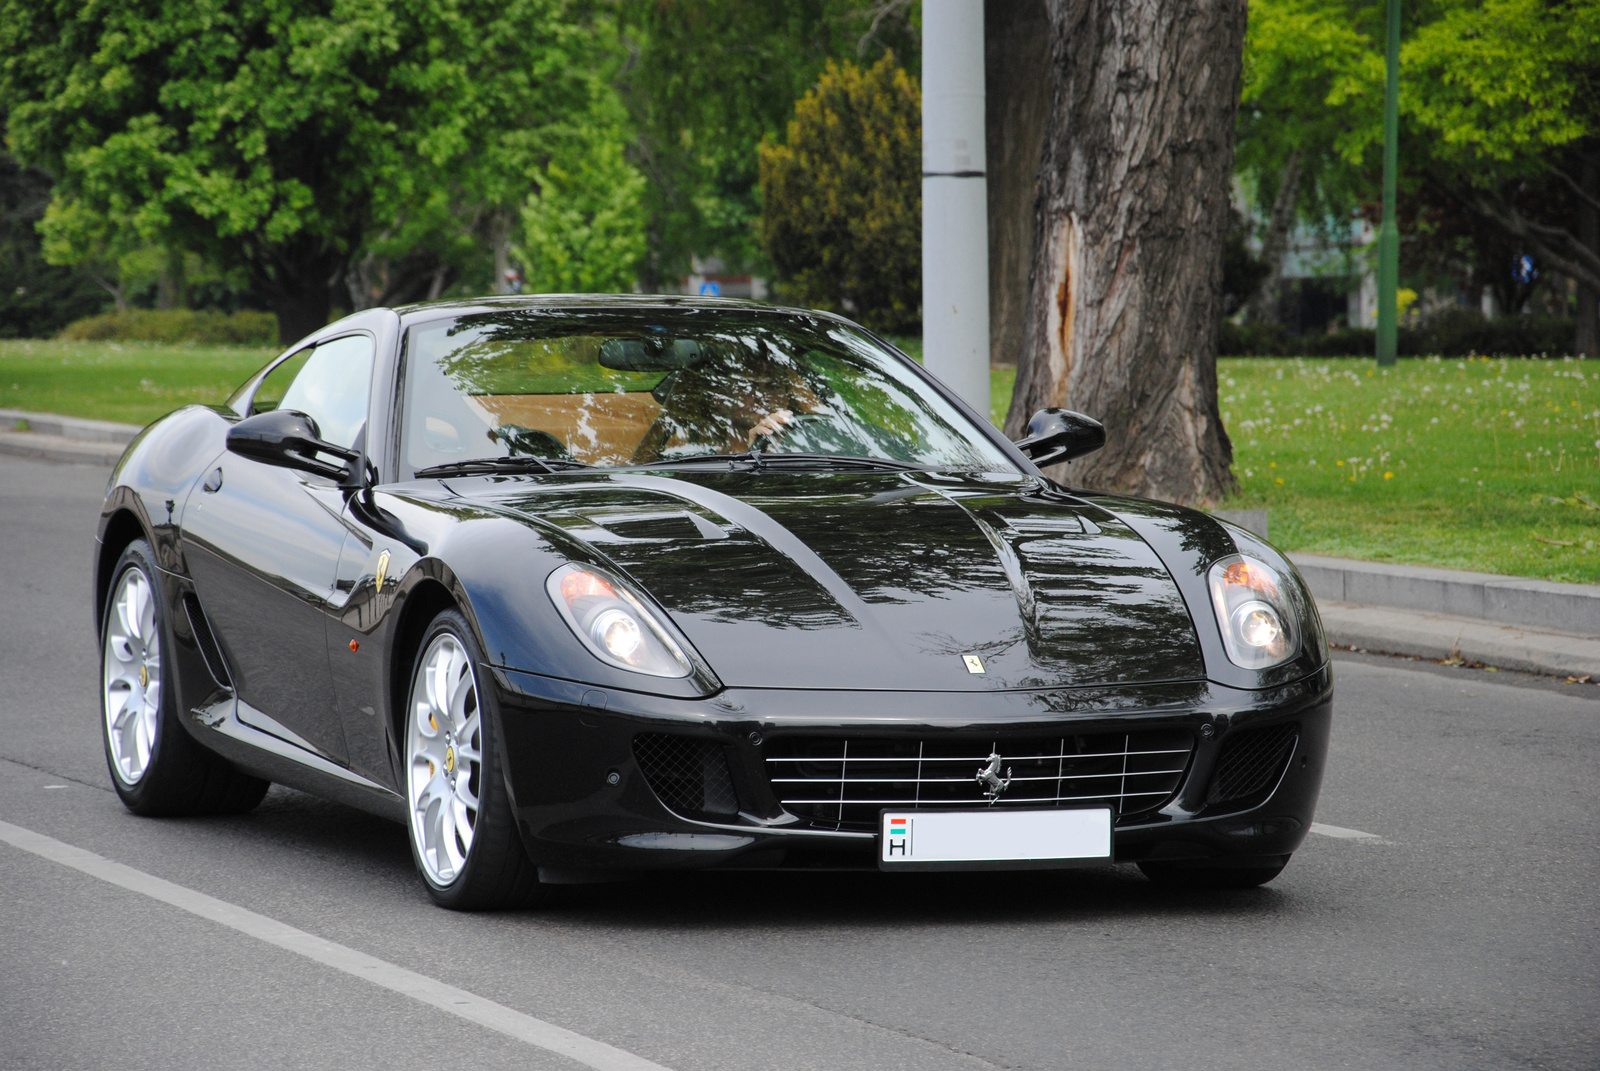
column 974, row 663
column 383, row 571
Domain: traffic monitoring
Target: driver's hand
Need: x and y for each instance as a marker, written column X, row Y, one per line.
column 772, row 424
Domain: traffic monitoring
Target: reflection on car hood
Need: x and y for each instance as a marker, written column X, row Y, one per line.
column 880, row 580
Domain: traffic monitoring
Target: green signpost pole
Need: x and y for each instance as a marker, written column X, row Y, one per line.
column 1389, row 233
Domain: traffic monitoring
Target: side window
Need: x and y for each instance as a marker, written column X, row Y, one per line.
column 330, row 386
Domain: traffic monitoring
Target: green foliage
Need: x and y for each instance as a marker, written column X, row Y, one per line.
column 583, row 231
column 708, row 81
column 1454, row 333
column 36, row 298
column 207, row 327
column 1504, row 82
column 279, row 135
column 843, row 219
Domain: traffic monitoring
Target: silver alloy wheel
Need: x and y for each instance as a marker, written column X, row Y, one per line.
column 444, row 747
column 132, row 676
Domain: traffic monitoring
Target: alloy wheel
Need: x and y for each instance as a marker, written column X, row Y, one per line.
column 132, row 676
column 444, row 744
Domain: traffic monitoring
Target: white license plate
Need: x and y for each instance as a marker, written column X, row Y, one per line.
column 957, row 838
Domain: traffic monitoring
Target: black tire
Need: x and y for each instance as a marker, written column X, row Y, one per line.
column 497, row 872
column 179, row 777
column 1247, row 874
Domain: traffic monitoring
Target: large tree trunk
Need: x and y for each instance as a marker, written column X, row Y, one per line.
column 1264, row 302
column 1126, row 292
column 1017, row 111
column 299, row 283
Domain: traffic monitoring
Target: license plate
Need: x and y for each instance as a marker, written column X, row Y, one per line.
column 999, row 839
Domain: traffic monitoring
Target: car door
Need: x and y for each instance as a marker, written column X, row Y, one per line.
column 262, row 544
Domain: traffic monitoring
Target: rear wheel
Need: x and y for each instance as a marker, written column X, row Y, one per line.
column 463, row 835
column 156, row 767
column 1247, row 874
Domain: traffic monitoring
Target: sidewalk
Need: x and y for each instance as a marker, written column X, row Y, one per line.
column 1532, row 626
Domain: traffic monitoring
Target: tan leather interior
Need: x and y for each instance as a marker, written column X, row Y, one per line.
column 599, row 429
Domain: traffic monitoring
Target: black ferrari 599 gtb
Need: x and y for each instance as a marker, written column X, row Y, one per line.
column 578, row 588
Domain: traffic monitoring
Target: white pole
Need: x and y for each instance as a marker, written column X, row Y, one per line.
column 955, row 209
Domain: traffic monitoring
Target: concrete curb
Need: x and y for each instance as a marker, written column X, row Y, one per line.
column 1507, row 600
column 69, row 439
column 1443, row 636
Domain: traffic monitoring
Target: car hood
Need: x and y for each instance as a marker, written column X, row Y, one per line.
column 879, row 580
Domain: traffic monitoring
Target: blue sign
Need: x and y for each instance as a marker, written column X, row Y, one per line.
column 710, row 289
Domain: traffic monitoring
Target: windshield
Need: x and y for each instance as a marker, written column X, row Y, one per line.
column 650, row 386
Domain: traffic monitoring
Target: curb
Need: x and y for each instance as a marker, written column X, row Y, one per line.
column 59, row 438
column 1439, row 637
column 1506, row 600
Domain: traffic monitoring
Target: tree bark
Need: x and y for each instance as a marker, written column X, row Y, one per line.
column 500, row 239
column 1126, row 292
column 1264, row 302
column 1017, row 110
column 1587, row 335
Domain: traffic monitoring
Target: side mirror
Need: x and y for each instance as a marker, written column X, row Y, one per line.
column 1057, row 435
column 289, row 439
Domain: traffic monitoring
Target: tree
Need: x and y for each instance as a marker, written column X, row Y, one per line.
column 1505, row 95
column 1126, row 292
column 699, row 124
column 842, row 217
column 37, row 299
column 280, row 137
column 1310, row 119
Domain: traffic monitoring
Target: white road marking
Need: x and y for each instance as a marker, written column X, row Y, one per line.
column 1344, row 834
column 584, row 1050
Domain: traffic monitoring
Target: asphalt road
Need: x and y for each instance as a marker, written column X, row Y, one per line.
column 1464, row 937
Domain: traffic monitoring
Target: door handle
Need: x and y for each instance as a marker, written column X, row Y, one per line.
column 213, row 482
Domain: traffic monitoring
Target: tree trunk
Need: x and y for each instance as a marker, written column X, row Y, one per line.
column 1264, row 303
column 1126, row 292
column 172, row 285
column 298, row 283
column 1017, row 96
column 500, row 239
column 1587, row 341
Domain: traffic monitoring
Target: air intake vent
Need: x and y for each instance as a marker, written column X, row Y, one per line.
column 1252, row 760
column 691, row 776
column 206, row 641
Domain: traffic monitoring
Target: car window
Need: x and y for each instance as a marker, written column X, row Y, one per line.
column 633, row 387
column 330, row 386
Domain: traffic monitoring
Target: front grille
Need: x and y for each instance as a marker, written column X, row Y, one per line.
column 1251, row 762
column 842, row 783
column 691, row 776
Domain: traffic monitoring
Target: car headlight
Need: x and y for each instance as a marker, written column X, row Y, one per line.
column 1255, row 610
column 614, row 623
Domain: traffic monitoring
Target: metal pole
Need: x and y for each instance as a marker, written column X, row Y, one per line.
column 1389, row 234
column 955, row 210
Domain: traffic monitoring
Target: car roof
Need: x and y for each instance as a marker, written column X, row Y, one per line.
column 595, row 302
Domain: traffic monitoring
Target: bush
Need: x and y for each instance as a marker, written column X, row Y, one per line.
column 842, row 199
column 1452, row 333
column 208, row 326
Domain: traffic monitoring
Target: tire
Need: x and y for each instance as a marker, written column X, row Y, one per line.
column 156, row 767
column 1247, row 874
column 463, row 835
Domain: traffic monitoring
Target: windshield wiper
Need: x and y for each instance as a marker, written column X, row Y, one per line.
column 489, row 466
column 759, row 460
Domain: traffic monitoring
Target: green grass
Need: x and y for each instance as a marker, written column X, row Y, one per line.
column 132, row 382
column 1489, row 465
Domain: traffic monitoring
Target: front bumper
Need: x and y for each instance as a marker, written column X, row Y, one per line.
column 586, row 810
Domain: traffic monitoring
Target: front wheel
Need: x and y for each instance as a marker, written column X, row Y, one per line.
column 156, row 768
column 463, row 835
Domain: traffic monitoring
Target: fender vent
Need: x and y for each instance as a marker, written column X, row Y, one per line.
column 1251, row 762
column 206, row 641
column 691, row 776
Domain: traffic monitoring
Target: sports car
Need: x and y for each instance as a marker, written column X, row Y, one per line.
column 581, row 588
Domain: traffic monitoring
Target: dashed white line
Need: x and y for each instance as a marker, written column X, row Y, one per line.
column 577, row 1047
column 1344, row 834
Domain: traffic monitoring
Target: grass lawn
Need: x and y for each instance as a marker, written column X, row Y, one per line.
column 1491, row 465
column 132, row 382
